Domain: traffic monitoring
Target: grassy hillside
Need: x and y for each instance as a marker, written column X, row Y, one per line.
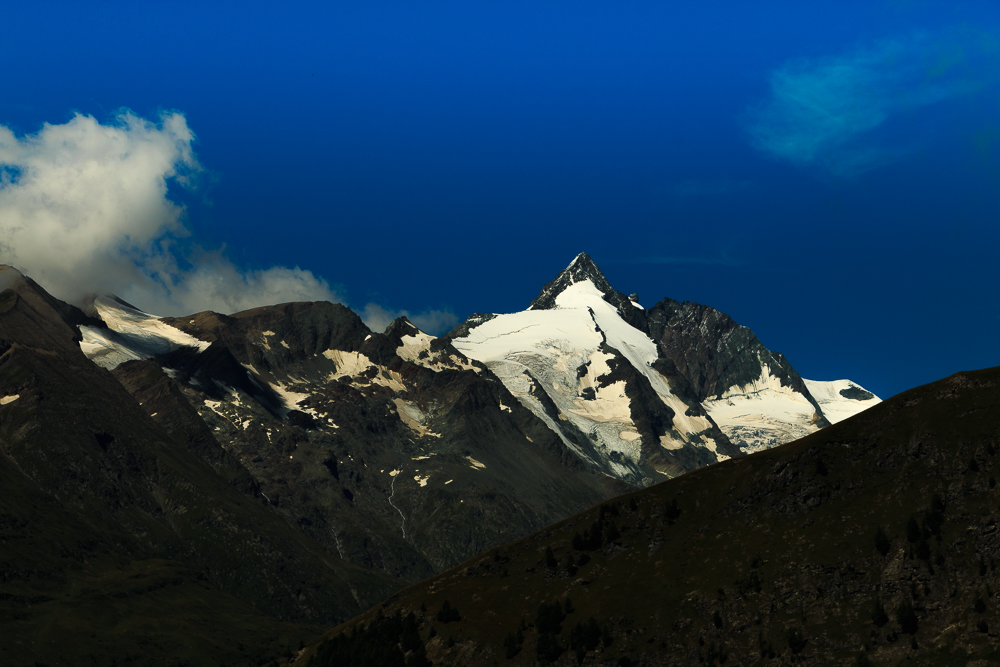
column 873, row 541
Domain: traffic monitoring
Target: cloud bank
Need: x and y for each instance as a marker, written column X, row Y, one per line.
column 436, row 322
column 824, row 112
column 84, row 209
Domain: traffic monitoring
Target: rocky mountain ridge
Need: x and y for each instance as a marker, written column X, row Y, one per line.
column 390, row 449
column 734, row 394
column 406, row 453
column 121, row 537
column 286, row 466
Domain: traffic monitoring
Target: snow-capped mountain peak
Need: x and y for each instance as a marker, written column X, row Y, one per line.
column 581, row 269
column 591, row 376
column 641, row 392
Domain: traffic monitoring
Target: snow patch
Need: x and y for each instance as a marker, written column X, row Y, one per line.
column 131, row 334
column 416, row 348
column 835, row 406
column 353, row 364
column 476, row 464
column 414, row 418
column 214, row 407
column 763, row 413
column 10, row 398
column 348, row 363
column 290, row 399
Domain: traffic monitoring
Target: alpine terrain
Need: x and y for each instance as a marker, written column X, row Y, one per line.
column 871, row 542
column 261, row 475
column 647, row 394
column 405, row 453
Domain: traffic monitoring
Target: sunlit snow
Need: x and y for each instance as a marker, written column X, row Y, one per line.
column 131, row 334
column 836, row 407
column 413, row 417
column 549, row 346
column 416, row 348
column 291, row 399
column 763, row 413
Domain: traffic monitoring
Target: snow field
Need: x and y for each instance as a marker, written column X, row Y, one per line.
column 835, row 406
column 548, row 346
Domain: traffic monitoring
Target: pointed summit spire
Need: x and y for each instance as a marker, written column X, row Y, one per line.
column 580, row 269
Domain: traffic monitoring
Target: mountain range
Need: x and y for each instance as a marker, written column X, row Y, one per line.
column 268, row 473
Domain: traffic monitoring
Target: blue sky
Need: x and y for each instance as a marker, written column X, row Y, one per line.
column 826, row 173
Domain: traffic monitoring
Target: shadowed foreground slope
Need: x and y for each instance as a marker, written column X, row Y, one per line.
column 873, row 541
column 118, row 541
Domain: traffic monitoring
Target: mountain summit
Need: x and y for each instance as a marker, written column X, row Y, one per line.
column 646, row 394
column 581, row 269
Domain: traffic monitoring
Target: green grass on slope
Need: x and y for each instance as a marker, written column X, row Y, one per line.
column 768, row 559
column 147, row 613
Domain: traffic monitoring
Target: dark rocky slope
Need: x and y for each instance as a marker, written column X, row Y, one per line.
column 871, row 542
column 713, row 353
column 119, row 537
column 400, row 455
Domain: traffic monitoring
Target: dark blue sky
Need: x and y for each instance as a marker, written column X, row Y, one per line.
column 826, row 173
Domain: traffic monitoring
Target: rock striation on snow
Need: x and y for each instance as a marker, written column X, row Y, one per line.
column 699, row 387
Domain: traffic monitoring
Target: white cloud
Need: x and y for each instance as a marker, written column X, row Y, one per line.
column 215, row 284
column 824, row 111
column 434, row 322
column 84, row 209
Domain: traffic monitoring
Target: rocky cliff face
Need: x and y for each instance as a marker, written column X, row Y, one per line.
column 754, row 394
column 392, row 450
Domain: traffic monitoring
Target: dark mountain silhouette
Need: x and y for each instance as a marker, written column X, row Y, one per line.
column 118, row 537
column 871, row 542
